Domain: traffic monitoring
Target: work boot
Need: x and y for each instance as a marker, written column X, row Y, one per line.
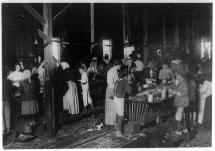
column 119, row 126
column 84, row 110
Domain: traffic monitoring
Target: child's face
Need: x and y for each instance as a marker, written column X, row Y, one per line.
column 18, row 68
column 92, row 64
column 165, row 66
column 81, row 70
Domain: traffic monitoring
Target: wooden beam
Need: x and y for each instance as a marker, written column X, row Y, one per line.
column 164, row 31
column 177, row 32
column 123, row 23
column 47, row 14
column 187, row 38
column 127, row 22
column 43, row 35
column 34, row 13
column 49, row 66
column 63, row 10
column 92, row 31
column 145, row 36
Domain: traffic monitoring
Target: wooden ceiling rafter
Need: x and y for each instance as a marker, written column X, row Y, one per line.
column 61, row 11
column 34, row 13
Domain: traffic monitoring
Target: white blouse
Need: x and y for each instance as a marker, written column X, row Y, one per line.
column 16, row 77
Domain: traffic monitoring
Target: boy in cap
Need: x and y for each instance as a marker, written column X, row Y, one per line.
column 121, row 89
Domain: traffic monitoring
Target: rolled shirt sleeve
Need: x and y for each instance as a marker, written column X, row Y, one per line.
column 112, row 77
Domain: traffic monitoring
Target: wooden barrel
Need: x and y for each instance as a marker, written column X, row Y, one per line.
column 142, row 112
column 136, row 111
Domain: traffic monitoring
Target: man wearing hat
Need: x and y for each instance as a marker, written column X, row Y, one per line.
column 93, row 69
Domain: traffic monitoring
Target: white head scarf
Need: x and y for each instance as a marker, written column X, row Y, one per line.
column 177, row 61
column 64, row 65
column 138, row 56
column 26, row 74
column 95, row 59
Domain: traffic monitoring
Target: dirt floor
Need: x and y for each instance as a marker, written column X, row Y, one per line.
column 202, row 139
column 71, row 133
column 83, row 134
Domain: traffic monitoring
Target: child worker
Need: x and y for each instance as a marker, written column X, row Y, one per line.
column 121, row 89
column 193, row 100
column 181, row 101
column 29, row 100
column 85, row 89
column 165, row 74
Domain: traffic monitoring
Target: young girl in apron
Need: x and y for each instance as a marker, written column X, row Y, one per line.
column 85, row 88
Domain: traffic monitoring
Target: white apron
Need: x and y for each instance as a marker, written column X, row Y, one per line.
column 86, row 94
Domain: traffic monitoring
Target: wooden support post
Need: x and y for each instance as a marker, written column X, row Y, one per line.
column 145, row 37
column 177, row 33
column 61, row 12
column 49, row 65
column 92, row 26
column 123, row 23
column 127, row 22
column 164, row 32
column 187, row 39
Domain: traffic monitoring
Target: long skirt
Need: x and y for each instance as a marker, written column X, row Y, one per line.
column 207, row 119
column 202, row 109
column 86, row 97
column 6, row 115
column 70, row 99
column 30, row 107
column 110, row 115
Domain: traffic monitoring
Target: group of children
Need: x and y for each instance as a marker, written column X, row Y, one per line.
column 190, row 96
column 120, row 84
column 185, row 94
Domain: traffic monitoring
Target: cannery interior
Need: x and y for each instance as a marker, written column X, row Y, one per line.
column 74, row 74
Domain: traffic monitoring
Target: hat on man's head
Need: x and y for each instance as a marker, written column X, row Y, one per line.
column 95, row 59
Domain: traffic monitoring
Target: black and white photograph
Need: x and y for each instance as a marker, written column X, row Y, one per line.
column 89, row 75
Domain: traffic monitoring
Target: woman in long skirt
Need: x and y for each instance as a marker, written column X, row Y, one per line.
column 28, row 96
column 70, row 98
